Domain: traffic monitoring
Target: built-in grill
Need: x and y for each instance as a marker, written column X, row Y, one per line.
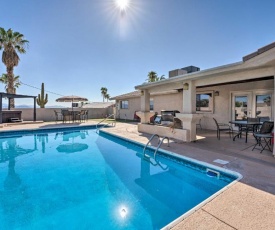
column 168, row 115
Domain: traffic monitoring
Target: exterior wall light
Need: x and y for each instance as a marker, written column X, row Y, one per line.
column 185, row 86
column 216, row 93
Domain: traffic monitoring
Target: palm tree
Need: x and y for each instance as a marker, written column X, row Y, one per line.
column 107, row 96
column 162, row 77
column 15, row 84
column 104, row 91
column 11, row 42
column 152, row 76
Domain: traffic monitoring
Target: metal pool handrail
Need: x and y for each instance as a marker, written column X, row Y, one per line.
column 160, row 145
column 107, row 123
column 157, row 163
column 151, row 138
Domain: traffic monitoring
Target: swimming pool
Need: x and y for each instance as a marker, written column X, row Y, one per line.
column 76, row 178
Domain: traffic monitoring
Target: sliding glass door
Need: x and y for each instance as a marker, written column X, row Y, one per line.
column 241, row 106
column 252, row 104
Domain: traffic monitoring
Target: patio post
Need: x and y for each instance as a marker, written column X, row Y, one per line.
column 189, row 117
column 145, row 113
column 189, row 97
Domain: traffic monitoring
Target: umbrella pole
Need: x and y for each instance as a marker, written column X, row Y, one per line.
column 72, row 104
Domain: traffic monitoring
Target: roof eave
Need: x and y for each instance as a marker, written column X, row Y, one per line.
column 212, row 71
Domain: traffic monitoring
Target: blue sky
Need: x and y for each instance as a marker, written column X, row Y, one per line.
column 77, row 47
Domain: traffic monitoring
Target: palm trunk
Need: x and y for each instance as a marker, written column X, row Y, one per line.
column 10, row 88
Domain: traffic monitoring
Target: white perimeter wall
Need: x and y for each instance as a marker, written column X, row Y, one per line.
column 47, row 114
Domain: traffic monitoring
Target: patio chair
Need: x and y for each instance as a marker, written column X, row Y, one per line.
column 81, row 116
column 262, row 119
column 198, row 125
column 67, row 115
column 264, row 136
column 222, row 127
column 58, row 116
column 251, row 128
column 85, row 116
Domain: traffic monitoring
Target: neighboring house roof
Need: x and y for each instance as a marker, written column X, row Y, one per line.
column 138, row 94
column 127, row 95
column 98, row 105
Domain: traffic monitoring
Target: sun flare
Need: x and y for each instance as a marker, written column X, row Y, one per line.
column 122, row 4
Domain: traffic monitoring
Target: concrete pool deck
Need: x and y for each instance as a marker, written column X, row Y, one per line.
column 248, row 204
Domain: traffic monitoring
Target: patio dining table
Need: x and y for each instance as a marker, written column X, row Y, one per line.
column 74, row 114
column 71, row 113
column 242, row 124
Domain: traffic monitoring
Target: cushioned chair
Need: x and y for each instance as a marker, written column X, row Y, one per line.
column 222, row 127
column 264, row 136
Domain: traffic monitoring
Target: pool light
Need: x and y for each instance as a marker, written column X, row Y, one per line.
column 123, row 212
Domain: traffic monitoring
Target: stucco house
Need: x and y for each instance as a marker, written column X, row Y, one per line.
column 127, row 105
column 230, row 92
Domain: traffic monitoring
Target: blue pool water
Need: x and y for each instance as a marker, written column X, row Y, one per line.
column 78, row 179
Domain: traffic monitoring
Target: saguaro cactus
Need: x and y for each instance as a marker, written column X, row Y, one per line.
column 41, row 99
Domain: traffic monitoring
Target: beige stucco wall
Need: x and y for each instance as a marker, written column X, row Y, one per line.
column 161, row 102
column 47, row 114
column 168, row 102
column 128, row 114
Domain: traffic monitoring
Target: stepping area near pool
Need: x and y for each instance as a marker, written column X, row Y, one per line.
column 248, row 204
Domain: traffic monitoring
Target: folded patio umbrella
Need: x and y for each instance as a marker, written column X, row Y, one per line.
column 72, row 99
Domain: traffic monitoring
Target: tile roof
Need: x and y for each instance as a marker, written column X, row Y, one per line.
column 98, row 105
column 127, row 95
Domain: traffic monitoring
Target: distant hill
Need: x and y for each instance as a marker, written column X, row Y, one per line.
column 4, row 105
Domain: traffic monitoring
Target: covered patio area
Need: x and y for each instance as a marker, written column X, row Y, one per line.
column 227, row 93
column 8, row 115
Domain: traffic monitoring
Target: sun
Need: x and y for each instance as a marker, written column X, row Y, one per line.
column 122, row 4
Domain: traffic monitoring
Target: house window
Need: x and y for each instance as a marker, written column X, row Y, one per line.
column 124, row 105
column 151, row 104
column 263, row 105
column 204, row 102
